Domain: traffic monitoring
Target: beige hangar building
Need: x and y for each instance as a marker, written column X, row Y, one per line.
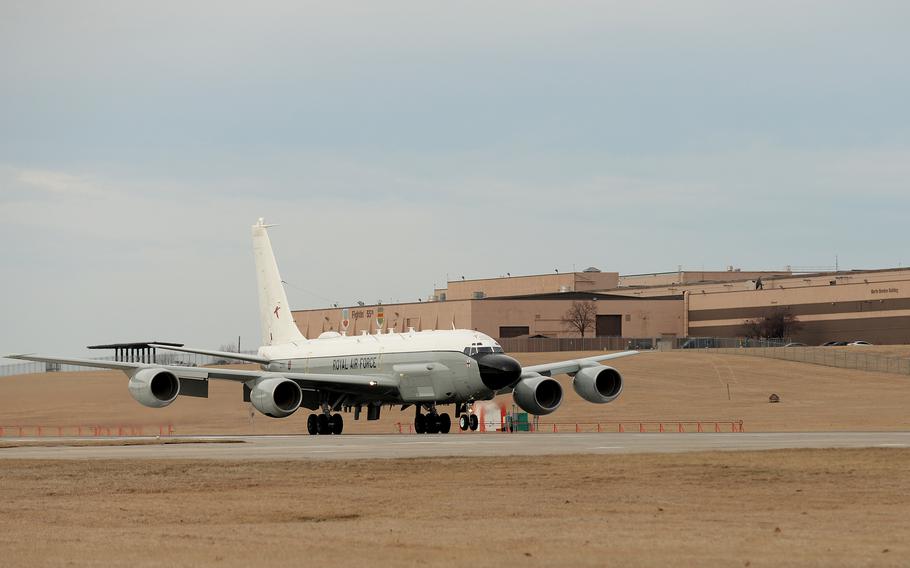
column 873, row 305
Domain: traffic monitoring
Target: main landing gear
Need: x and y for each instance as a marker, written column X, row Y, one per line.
column 432, row 422
column 325, row 423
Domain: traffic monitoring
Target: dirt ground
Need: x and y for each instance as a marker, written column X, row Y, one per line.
column 781, row 508
column 669, row 386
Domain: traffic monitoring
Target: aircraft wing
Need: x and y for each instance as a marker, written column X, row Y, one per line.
column 222, row 354
column 572, row 366
column 341, row 383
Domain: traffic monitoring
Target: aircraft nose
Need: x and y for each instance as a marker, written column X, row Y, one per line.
column 497, row 371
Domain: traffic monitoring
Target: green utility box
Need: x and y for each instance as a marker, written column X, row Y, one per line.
column 518, row 422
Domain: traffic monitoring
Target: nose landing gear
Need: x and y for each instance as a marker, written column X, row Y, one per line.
column 467, row 419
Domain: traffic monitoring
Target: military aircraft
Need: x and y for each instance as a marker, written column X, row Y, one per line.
column 340, row 373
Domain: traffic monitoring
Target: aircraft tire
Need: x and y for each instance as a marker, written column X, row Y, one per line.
column 336, row 423
column 420, row 424
column 322, row 424
column 445, row 423
column 475, row 422
column 311, row 426
column 432, row 424
column 464, row 422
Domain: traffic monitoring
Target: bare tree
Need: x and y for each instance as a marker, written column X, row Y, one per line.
column 580, row 317
column 778, row 324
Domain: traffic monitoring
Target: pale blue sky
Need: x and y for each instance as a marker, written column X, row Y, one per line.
column 400, row 141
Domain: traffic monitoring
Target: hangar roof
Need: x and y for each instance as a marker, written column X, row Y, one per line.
column 584, row 296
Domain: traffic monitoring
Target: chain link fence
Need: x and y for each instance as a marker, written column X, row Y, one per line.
column 553, row 344
column 841, row 358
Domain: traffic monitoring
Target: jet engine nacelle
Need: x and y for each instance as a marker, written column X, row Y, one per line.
column 538, row 395
column 598, row 384
column 277, row 397
column 155, row 388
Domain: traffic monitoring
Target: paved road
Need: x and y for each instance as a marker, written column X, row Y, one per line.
column 415, row 446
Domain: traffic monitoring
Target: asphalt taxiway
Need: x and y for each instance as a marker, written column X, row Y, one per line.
column 424, row 446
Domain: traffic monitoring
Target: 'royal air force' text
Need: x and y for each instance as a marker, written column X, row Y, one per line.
column 355, row 363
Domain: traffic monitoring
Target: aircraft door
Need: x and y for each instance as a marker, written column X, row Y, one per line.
column 424, row 382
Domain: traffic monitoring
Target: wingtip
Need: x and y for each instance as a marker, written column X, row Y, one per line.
column 16, row 355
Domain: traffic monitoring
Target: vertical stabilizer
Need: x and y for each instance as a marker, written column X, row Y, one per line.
column 278, row 325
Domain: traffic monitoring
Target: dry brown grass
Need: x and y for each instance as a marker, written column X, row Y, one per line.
column 659, row 386
column 782, row 508
column 80, row 443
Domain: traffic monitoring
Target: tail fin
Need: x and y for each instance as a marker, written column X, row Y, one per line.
column 278, row 325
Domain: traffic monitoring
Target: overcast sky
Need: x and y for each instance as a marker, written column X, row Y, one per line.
column 399, row 142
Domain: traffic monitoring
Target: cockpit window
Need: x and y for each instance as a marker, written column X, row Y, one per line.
column 478, row 348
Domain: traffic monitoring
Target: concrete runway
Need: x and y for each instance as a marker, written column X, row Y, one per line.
column 422, row 446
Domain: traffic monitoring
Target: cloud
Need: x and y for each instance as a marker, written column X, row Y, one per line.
column 63, row 184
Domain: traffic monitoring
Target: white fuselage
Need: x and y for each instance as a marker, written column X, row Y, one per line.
column 431, row 365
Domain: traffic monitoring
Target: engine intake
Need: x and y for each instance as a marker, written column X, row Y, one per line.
column 276, row 396
column 598, row 384
column 538, row 395
column 155, row 388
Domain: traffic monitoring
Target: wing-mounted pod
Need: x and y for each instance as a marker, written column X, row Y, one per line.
column 598, row 384
column 538, row 394
column 155, row 388
column 277, row 397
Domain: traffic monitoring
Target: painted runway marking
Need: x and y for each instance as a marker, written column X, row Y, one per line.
column 608, row 448
column 892, row 445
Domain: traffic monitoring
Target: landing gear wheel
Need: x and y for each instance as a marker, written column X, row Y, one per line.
column 311, row 426
column 464, row 422
column 445, row 423
column 322, row 424
column 336, row 424
column 475, row 423
column 432, row 424
column 420, row 423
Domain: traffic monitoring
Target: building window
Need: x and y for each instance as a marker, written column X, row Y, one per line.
column 506, row 331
